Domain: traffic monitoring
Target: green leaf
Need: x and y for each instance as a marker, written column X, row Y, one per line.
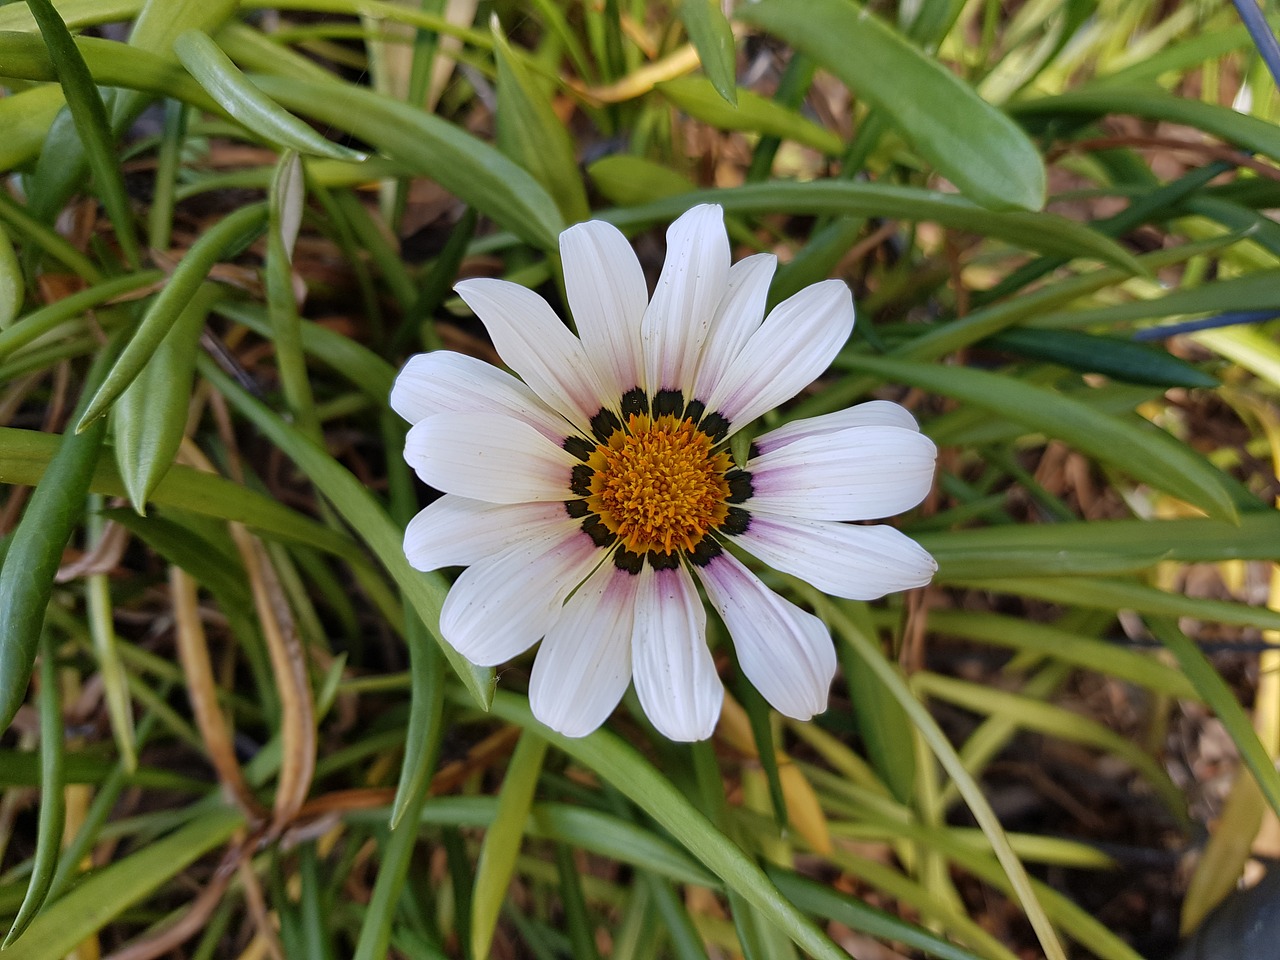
column 216, row 566
column 35, row 550
column 90, row 116
column 753, row 113
column 1066, row 646
column 77, row 14
column 1014, row 872
column 826, row 902
column 1246, row 346
column 1251, row 133
column 286, row 200
column 422, row 751
column 1043, row 232
column 25, row 116
column 1253, row 291
column 34, row 233
column 27, row 455
column 1059, row 722
column 11, row 289
column 618, row 839
column 1098, row 594
column 1200, row 46
column 362, row 367
column 712, row 37
column 530, row 133
column 53, row 808
column 967, row 140
column 112, row 64
column 628, row 181
column 21, row 768
column 463, row 165
column 234, row 92
column 422, row 733
column 1186, row 540
column 576, row 918
column 161, row 22
column 151, row 416
column 618, row 762
column 1141, row 450
column 883, row 725
column 1093, row 353
column 232, row 233
column 501, row 846
column 1219, row 696
column 600, row 833
column 101, row 897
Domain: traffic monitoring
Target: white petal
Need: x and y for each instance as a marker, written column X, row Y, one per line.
column 796, row 343
column 738, row 316
column 456, row 531
column 685, row 300
column 534, row 343
column 500, row 607
column 444, row 382
column 873, row 413
column 486, row 456
column 607, row 296
column 786, row 653
column 861, row 473
column 858, row 563
column 674, row 675
column 584, row 664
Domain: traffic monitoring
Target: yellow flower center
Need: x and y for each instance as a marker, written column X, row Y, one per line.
column 659, row 485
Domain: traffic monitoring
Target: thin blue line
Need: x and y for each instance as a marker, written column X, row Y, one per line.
column 1207, row 323
column 1256, row 23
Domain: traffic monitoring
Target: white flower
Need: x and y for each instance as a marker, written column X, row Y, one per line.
column 585, row 500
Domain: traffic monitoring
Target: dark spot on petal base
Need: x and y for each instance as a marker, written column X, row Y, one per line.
column 740, row 486
column 635, row 403
column 580, row 447
column 714, row 426
column 626, row 560
column 736, row 522
column 603, row 425
column 706, row 551
column 668, row 402
column 663, row 561
column 600, row 535
column 581, row 481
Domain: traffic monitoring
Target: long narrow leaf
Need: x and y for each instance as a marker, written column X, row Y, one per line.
column 432, row 147
column 231, row 233
column 970, row 142
column 1210, row 685
column 235, row 93
column 502, row 840
column 26, row 456
column 92, row 904
column 1013, row 869
column 35, row 550
column 620, row 764
column 53, row 809
column 712, row 37
column 1043, row 232
column 90, row 116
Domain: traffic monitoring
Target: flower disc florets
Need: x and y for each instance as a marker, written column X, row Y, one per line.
column 659, row 485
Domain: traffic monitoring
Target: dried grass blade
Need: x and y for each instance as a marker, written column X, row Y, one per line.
column 193, row 654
